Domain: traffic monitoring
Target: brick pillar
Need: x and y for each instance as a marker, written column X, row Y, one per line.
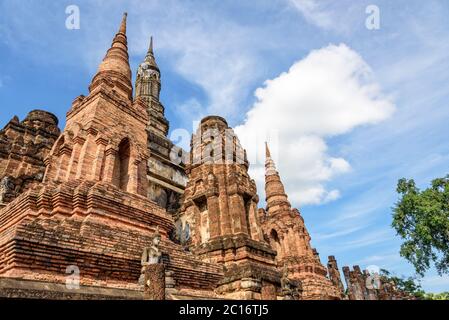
column 99, row 159
column 284, row 245
column 255, row 230
column 293, row 247
column 108, row 174
column 142, row 180
column 334, row 274
column 195, row 232
column 64, row 155
column 237, row 210
column 214, row 216
column 305, row 246
column 133, row 179
column 225, row 216
column 86, row 169
column 49, row 172
column 78, row 142
column 155, row 282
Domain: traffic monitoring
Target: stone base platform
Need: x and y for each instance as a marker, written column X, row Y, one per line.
column 28, row 289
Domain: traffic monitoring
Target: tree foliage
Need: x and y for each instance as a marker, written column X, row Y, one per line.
column 410, row 285
column 421, row 218
column 436, row 296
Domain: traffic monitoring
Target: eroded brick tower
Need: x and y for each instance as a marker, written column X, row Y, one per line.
column 23, row 147
column 285, row 230
column 220, row 212
column 105, row 138
column 91, row 211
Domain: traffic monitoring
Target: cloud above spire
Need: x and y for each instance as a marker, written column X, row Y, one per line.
column 328, row 93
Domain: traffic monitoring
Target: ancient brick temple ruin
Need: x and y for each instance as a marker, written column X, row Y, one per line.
column 111, row 209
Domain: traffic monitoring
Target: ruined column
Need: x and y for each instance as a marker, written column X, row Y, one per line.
column 334, row 274
column 155, row 282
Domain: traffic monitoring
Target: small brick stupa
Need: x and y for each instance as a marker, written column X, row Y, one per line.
column 287, row 234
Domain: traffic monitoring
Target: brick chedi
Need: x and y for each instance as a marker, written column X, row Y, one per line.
column 220, row 212
column 23, row 147
column 285, row 230
column 167, row 177
column 91, row 212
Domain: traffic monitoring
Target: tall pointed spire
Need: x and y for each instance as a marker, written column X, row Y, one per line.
column 149, row 58
column 123, row 24
column 267, row 150
column 150, row 49
column 270, row 167
column 115, row 65
column 274, row 189
column 148, row 87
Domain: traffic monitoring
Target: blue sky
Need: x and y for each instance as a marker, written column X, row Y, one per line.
column 352, row 110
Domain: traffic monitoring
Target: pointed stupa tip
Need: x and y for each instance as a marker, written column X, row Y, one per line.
column 150, row 49
column 123, row 24
column 267, row 150
column 116, row 61
column 149, row 58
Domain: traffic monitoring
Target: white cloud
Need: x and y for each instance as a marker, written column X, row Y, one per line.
column 366, row 240
column 343, row 16
column 328, row 93
column 337, row 234
column 385, row 261
column 313, row 12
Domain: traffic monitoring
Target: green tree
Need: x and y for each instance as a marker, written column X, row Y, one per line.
column 436, row 296
column 421, row 218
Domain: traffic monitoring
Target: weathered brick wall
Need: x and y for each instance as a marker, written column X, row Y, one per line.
column 334, row 275
column 167, row 179
column 220, row 206
column 104, row 239
column 23, row 147
column 365, row 286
